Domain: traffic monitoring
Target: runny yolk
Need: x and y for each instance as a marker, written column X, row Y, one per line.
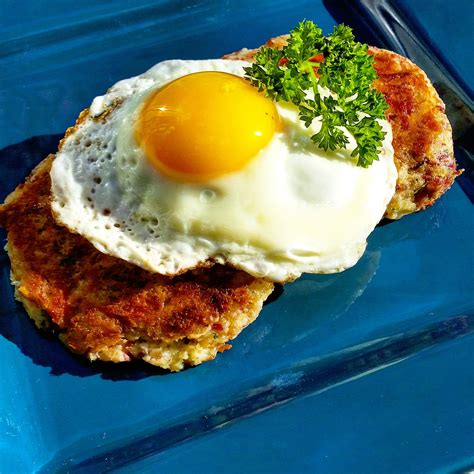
column 204, row 125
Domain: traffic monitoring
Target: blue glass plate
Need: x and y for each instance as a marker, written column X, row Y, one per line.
column 366, row 371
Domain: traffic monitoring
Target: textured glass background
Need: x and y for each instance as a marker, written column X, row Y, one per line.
column 365, row 371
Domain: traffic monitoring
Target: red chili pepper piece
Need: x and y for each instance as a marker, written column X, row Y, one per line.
column 317, row 58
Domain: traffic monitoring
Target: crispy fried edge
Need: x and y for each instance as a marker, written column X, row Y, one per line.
column 172, row 355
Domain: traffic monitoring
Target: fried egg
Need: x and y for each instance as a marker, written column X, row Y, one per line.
column 189, row 164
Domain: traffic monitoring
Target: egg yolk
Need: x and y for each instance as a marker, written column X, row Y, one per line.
column 205, row 125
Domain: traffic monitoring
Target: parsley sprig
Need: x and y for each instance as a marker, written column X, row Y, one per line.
column 310, row 62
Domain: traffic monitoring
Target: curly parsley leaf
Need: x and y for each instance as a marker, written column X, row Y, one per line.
column 310, row 62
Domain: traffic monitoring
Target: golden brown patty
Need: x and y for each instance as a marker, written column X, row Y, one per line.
column 108, row 309
column 422, row 137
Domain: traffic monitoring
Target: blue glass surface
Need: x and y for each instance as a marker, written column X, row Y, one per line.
column 368, row 371
column 448, row 25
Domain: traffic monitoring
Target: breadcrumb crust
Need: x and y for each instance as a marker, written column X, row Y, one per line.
column 108, row 309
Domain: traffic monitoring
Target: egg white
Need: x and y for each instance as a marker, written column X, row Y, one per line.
column 292, row 209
